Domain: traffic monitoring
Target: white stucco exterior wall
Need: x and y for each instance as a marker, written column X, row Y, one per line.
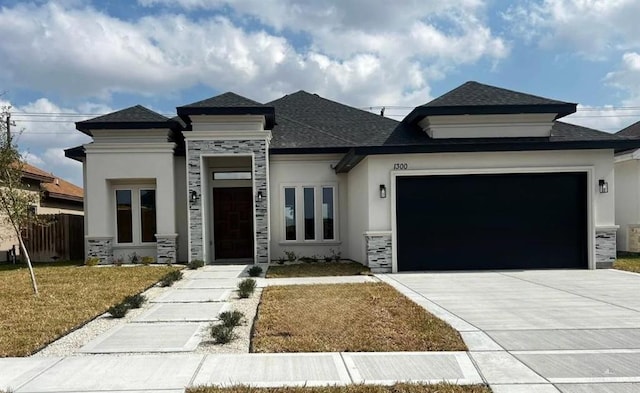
column 299, row 171
column 360, row 193
column 627, row 188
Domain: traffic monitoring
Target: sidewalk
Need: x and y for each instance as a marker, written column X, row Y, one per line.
column 155, row 352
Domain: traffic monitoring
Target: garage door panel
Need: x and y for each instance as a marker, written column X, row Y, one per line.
column 503, row 221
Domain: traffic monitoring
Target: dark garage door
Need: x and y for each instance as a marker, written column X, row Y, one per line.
column 493, row 221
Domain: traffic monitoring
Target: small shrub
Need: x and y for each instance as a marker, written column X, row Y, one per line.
column 291, row 256
column 328, row 259
column 92, row 261
column 222, row 334
column 246, row 288
column 134, row 258
column 118, row 261
column 119, row 310
column 135, row 301
column 170, row 278
column 281, row 261
column 195, row 264
column 335, row 255
column 255, row 271
column 305, row 259
column 231, row 318
column 147, row 260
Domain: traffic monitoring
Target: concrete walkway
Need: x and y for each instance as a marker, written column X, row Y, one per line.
column 539, row 332
column 573, row 331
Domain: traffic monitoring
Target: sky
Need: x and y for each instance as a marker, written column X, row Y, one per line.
column 66, row 61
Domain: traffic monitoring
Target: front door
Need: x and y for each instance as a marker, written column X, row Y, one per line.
column 233, row 222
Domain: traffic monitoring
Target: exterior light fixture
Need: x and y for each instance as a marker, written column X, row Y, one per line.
column 603, row 186
column 193, row 196
column 259, row 196
column 383, row 191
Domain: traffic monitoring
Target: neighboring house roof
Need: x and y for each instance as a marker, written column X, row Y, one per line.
column 632, row 130
column 135, row 117
column 227, row 104
column 477, row 98
column 31, row 172
column 62, row 189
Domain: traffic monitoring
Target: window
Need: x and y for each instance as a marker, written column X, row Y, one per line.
column 123, row 216
column 290, row 213
column 135, row 215
column 148, row 215
column 317, row 220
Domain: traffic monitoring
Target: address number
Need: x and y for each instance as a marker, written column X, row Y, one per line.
column 399, row 166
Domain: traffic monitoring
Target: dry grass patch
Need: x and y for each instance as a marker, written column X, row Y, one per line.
column 317, row 269
column 397, row 388
column 371, row 317
column 69, row 297
column 628, row 263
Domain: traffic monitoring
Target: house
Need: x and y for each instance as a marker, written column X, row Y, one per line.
column 479, row 178
column 57, row 196
column 627, row 181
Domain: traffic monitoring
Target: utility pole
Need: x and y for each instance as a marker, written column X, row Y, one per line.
column 8, row 127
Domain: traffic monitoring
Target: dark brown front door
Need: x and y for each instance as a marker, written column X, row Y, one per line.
column 233, row 222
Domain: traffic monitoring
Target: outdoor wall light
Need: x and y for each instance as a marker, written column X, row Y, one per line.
column 193, row 196
column 383, row 191
column 603, row 186
column 259, row 196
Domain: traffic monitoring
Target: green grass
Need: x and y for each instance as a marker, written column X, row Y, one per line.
column 317, row 269
column 70, row 295
column 371, row 317
column 397, row 388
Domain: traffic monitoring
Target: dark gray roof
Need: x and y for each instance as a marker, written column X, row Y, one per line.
column 135, row 117
column 632, row 130
column 224, row 100
column 308, row 119
column 477, row 94
column 473, row 98
column 571, row 132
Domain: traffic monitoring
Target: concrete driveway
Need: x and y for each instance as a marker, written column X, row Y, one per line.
column 573, row 331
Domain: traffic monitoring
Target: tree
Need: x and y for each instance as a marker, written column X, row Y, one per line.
column 16, row 200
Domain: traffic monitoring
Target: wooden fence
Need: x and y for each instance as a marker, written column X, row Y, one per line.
column 61, row 239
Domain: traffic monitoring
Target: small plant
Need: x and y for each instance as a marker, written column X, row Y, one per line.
column 147, row 260
column 291, row 256
column 335, row 255
column 255, row 271
column 134, row 258
column 281, row 260
column 135, row 301
column 119, row 310
column 170, row 278
column 231, row 318
column 118, row 261
column 328, row 259
column 246, row 288
column 195, row 264
column 222, row 334
column 92, row 261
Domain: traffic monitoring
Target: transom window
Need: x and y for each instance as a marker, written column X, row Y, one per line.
column 231, row 175
column 135, row 215
column 316, row 220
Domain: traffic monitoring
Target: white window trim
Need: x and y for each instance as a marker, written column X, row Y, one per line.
column 136, row 217
column 299, row 203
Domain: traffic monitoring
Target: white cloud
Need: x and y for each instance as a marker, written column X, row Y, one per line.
column 627, row 78
column 359, row 51
column 591, row 28
column 607, row 118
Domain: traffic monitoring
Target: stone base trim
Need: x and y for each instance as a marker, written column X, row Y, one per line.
column 379, row 256
column 167, row 248
column 100, row 247
column 605, row 247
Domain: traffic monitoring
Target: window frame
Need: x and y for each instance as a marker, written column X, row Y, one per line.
column 318, row 216
column 136, row 214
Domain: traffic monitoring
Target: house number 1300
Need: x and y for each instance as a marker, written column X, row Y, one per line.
column 400, row 166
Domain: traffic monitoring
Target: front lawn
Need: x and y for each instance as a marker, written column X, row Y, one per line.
column 629, row 263
column 70, row 295
column 317, row 269
column 397, row 388
column 371, row 317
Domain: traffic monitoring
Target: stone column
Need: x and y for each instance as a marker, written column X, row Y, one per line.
column 379, row 255
column 167, row 248
column 100, row 247
column 605, row 247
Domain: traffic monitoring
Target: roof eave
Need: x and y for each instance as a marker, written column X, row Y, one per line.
column 268, row 112
column 73, row 198
column 86, row 127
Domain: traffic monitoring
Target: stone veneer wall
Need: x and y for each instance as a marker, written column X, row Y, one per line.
column 167, row 248
column 259, row 150
column 379, row 251
column 605, row 248
column 633, row 238
column 100, row 247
